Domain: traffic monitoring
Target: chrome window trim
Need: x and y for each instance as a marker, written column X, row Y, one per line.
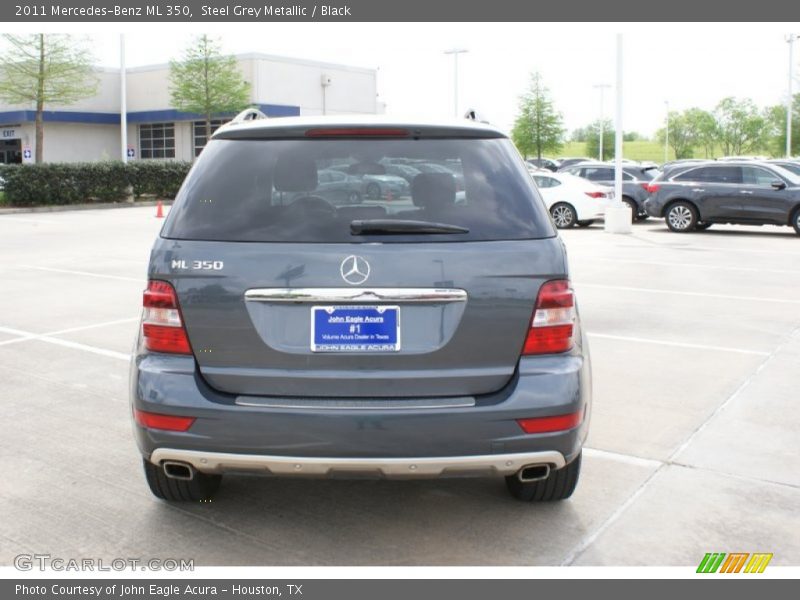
column 325, row 295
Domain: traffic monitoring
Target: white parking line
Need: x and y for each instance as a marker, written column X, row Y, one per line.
column 624, row 338
column 45, row 337
column 24, row 335
column 689, row 265
column 683, row 293
column 85, row 273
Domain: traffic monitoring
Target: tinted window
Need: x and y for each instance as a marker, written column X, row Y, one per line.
column 598, row 173
column 793, row 168
column 758, row 176
column 713, row 174
column 545, row 182
column 270, row 191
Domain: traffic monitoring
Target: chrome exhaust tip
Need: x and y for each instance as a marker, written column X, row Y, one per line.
column 530, row 473
column 178, row 470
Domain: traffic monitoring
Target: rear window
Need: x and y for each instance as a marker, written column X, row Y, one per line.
column 300, row 190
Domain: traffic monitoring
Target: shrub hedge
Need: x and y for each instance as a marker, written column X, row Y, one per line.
column 75, row 183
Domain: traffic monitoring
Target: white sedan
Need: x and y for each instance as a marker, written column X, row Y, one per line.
column 572, row 200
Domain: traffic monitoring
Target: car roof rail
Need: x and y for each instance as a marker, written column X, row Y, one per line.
column 473, row 115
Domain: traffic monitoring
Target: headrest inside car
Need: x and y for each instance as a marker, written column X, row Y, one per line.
column 294, row 173
column 433, row 190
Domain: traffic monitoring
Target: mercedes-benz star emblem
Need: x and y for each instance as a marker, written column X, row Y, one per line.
column 354, row 270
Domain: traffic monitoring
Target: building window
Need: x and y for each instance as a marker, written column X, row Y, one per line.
column 200, row 137
column 157, row 140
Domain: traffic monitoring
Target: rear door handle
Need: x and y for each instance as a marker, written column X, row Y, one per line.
column 745, row 192
column 698, row 190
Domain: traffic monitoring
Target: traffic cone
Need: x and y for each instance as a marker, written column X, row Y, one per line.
column 159, row 210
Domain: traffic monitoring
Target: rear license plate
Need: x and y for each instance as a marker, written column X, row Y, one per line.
column 355, row 328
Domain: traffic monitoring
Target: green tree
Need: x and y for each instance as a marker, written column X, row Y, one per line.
column 45, row 69
column 593, row 139
column 776, row 118
column 207, row 82
column 538, row 126
column 705, row 129
column 741, row 128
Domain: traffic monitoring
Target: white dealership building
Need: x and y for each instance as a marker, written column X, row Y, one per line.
column 90, row 129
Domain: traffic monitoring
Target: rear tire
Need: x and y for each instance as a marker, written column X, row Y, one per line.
column 796, row 221
column 564, row 215
column 681, row 217
column 585, row 223
column 374, row 191
column 559, row 485
column 200, row 488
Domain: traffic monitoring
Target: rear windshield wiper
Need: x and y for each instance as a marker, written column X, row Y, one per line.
column 399, row 226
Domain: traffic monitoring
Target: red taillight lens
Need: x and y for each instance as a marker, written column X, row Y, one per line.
column 358, row 132
column 651, row 188
column 162, row 325
column 551, row 424
column 158, row 421
column 596, row 194
column 553, row 320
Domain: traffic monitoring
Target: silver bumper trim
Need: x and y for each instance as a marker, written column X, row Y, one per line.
column 352, row 404
column 496, row 464
column 416, row 295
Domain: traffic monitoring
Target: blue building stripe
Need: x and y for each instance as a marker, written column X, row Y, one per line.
column 145, row 116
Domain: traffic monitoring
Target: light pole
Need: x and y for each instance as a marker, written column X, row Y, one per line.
column 666, row 136
column 602, row 87
column 123, row 100
column 618, row 214
column 790, row 38
column 455, row 52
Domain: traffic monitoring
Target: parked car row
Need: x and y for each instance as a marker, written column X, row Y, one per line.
column 745, row 192
column 690, row 194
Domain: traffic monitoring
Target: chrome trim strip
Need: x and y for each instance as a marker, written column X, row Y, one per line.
column 498, row 464
column 354, row 404
column 323, row 295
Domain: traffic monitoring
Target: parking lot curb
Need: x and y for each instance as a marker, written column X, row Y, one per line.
column 87, row 206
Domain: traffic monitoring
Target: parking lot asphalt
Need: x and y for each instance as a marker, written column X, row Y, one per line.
column 694, row 442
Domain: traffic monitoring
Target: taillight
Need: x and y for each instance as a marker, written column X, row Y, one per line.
column 553, row 320
column 651, row 188
column 162, row 325
column 551, row 424
column 159, row 421
column 596, row 194
column 357, row 132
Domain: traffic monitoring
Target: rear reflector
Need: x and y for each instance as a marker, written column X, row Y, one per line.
column 596, row 194
column 166, row 422
column 553, row 320
column 162, row 326
column 551, row 424
column 358, row 132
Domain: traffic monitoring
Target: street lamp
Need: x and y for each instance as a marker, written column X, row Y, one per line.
column 602, row 87
column 666, row 137
column 790, row 39
column 455, row 52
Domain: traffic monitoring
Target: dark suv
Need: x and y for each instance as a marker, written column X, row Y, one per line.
column 635, row 180
column 430, row 335
column 745, row 193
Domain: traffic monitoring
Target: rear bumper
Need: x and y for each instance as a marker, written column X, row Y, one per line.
column 483, row 438
column 493, row 464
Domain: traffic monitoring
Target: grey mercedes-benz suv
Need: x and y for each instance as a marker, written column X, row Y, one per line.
column 429, row 335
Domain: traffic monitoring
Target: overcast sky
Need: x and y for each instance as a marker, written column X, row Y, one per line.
column 685, row 64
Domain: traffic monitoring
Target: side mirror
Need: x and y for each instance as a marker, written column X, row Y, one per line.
column 778, row 185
